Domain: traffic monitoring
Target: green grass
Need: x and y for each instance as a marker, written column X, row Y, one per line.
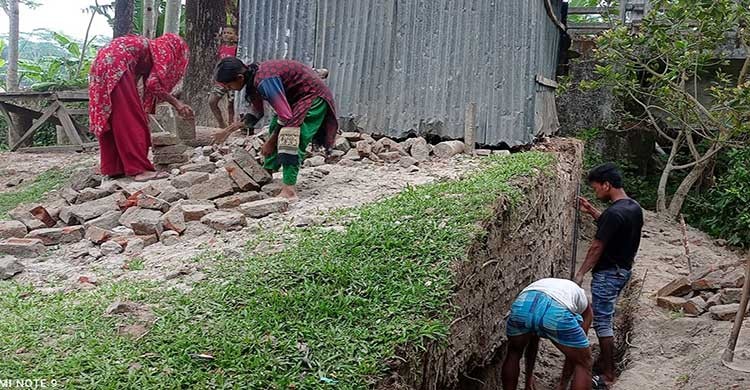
column 50, row 180
column 324, row 313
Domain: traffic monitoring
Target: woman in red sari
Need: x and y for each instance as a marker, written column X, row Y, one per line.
column 118, row 112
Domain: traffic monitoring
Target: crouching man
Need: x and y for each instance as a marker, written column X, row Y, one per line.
column 558, row 310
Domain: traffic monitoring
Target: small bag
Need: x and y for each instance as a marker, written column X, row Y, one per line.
column 288, row 146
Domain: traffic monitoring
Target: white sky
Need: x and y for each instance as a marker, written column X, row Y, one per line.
column 64, row 16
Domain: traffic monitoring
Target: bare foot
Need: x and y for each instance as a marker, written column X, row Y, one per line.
column 150, row 175
column 289, row 193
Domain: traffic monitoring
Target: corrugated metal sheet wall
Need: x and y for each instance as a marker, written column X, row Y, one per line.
column 414, row 65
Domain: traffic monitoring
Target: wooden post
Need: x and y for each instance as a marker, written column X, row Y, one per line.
column 685, row 243
column 728, row 355
column 470, row 128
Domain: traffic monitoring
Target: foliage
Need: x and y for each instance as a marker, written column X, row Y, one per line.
column 107, row 10
column 724, row 211
column 332, row 307
column 639, row 187
column 50, row 180
column 657, row 70
column 588, row 3
column 59, row 72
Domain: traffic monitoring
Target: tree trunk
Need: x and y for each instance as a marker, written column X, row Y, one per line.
column 11, row 80
column 172, row 17
column 123, row 17
column 203, row 19
column 661, row 192
column 678, row 199
column 149, row 18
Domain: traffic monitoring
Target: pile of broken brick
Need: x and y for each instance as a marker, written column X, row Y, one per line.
column 712, row 290
column 210, row 187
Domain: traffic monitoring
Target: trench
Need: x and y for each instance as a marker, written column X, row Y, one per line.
column 523, row 242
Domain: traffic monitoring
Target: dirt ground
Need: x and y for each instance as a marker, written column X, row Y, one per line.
column 669, row 351
column 23, row 168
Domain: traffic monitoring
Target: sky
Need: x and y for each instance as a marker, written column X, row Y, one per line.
column 64, row 16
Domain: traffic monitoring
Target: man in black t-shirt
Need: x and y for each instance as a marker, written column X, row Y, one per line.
column 610, row 256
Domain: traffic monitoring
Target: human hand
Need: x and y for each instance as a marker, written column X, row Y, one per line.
column 220, row 137
column 268, row 148
column 585, row 205
column 185, row 111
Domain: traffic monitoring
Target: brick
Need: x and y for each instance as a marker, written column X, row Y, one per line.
column 56, row 236
column 149, row 239
column 146, row 222
column 9, row 267
column 78, row 214
column 45, row 216
column 189, row 179
column 97, row 235
column 730, row 295
column 22, row 247
column 386, row 145
column 272, row 189
column 352, row 155
column 714, row 300
column 251, row 167
column 206, row 167
column 70, row 195
column 169, row 238
column 352, row 136
column 234, row 201
column 694, row 306
column 733, row 279
column 448, row 149
column 675, row 288
column 174, row 219
column 153, row 203
column 10, row 229
column 671, row 303
column 700, row 272
column 170, row 149
column 390, row 157
column 241, row 178
column 171, row 194
column 314, row 161
column 342, row 144
column 22, row 214
column 111, row 247
column 164, row 139
column 724, row 312
column 214, row 188
column 108, row 220
column 166, row 159
column 265, row 207
column 711, row 281
column 90, row 194
column 196, row 211
column 420, row 149
column 84, row 178
column 407, row 161
column 225, row 220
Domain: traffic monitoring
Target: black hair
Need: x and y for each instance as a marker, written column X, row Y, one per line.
column 232, row 26
column 606, row 173
column 229, row 68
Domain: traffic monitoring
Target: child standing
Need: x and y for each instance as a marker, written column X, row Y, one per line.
column 228, row 48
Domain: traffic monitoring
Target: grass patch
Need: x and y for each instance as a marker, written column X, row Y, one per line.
column 50, row 180
column 324, row 313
